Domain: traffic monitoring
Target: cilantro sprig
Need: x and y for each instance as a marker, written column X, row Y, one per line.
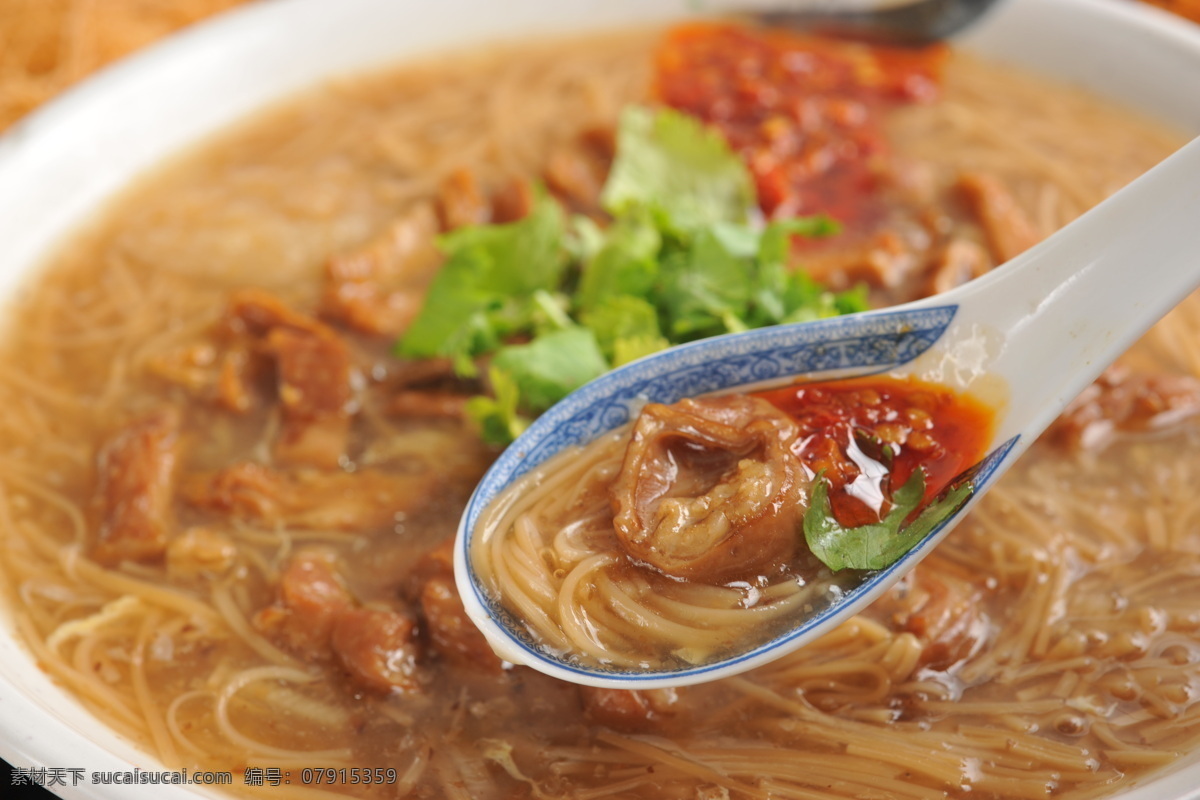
column 558, row 301
column 877, row 545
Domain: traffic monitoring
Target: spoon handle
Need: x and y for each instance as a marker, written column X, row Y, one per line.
column 902, row 22
column 1070, row 305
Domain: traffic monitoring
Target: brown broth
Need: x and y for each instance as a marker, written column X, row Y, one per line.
column 1067, row 643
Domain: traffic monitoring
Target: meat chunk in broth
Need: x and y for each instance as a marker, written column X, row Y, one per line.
column 959, row 261
column 316, row 616
column 449, row 630
column 378, row 647
column 219, row 374
column 462, row 201
column 314, row 377
column 264, row 352
column 137, row 473
column 378, row 288
column 313, row 372
column 513, row 200
column 312, row 594
column 1009, row 232
column 633, row 710
column 1123, row 401
column 575, row 171
column 945, row 613
column 451, row 633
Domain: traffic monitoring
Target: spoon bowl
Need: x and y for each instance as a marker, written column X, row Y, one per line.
column 1025, row 338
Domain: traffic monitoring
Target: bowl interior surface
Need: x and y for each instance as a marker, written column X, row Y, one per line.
column 58, row 167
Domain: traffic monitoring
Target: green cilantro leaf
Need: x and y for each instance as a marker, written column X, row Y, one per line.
column 775, row 243
column 679, row 170
column 489, row 270
column 626, row 328
column 881, row 544
column 496, row 416
column 625, row 263
column 679, row 261
column 785, row 295
column 583, row 238
column 707, row 287
column 551, row 366
column 521, row 256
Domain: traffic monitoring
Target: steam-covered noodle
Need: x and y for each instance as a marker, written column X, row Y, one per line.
column 219, row 347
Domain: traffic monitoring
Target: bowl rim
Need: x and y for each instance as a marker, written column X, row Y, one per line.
column 53, row 179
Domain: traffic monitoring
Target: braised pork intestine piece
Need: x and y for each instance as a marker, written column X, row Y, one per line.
column 378, row 648
column 314, row 383
column 709, row 489
column 310, row 596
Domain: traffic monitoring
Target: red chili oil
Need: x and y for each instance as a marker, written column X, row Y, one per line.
column 804, row 113
column 868, row 435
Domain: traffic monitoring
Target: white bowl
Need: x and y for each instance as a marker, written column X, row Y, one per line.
column 58, row 166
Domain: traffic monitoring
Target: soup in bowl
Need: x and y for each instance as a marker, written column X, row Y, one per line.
column 248, row 391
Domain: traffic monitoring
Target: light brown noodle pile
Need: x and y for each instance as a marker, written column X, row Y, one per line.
column 1092, row 562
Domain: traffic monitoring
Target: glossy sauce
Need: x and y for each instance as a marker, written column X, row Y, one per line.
column 868, row 435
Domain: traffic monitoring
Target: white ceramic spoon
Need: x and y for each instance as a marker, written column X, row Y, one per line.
column 1028, row 337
